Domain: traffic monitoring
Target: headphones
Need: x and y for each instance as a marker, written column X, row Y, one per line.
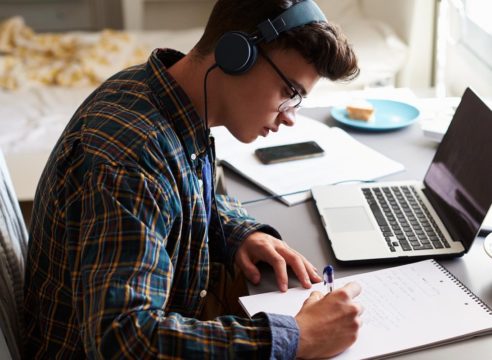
column 236, row 52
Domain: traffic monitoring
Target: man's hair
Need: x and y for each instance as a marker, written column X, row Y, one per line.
column 322, row 44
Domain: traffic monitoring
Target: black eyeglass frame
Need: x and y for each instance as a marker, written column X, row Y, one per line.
column 294, row 102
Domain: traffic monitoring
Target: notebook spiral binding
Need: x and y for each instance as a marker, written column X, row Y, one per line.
column 467, row 291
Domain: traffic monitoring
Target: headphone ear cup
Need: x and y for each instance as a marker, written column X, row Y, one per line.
column 235, row 53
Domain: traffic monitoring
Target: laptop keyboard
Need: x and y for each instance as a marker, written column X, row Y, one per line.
column 404, row 219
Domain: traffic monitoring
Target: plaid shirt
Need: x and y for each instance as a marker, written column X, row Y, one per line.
column 121, row 252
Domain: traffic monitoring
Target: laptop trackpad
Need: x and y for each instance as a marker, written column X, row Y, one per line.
column 347, row 219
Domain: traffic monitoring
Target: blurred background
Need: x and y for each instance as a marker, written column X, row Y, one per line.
column 412, row 43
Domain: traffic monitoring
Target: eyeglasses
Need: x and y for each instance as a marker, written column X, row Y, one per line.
column 295, row 99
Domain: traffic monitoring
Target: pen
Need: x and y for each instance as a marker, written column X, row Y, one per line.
column 329, row 278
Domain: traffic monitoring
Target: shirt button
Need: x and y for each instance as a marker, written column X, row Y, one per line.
column 203, row 293
column 193, row 157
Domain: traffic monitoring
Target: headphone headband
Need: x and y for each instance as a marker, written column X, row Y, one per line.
column 302, row 13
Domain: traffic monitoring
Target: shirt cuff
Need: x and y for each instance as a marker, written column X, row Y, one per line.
column 285, row 336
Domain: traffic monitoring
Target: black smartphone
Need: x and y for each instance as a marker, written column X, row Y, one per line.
column 297, row 151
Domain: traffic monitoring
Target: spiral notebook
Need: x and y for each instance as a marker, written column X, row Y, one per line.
column 406, row 308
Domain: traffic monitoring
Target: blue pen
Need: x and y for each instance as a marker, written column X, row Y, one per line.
column 329, row 278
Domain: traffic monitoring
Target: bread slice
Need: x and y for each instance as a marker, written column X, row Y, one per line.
column 361, row 110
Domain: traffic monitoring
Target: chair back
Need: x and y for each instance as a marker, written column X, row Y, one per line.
column 13, row 250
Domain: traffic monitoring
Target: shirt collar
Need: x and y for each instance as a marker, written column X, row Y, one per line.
column 175, row 102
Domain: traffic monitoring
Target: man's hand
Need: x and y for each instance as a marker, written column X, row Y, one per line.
column 328, row 324
column 259, row 246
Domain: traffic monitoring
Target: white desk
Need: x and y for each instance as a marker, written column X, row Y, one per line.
column 301, row 228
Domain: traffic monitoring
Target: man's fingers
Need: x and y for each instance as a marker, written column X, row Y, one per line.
column 296, row 262
column 278, row 255
column 312, row 271
column 279, row 267
column 249, row 269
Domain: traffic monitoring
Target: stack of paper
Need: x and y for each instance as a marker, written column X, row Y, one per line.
column 345, row 159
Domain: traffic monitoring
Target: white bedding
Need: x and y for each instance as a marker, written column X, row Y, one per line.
column 32, row 119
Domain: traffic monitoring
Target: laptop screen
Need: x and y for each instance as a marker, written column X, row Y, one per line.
column 459, row 180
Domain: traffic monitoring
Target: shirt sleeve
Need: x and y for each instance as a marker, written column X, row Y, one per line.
column 123, row 274
column 285, row 336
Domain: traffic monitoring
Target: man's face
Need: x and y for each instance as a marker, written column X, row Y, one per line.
column 250, row 106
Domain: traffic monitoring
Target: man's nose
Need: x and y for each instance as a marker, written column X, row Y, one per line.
column 288, row 117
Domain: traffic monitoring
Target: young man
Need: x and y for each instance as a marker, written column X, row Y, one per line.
column 128, row 238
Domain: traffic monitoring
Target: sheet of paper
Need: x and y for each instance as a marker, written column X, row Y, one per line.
column 406, row 307
column 345, row 159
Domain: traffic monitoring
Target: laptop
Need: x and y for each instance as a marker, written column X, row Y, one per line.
column 411, row 220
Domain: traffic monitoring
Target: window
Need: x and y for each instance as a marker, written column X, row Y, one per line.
column 478, row 11
column 477, row 29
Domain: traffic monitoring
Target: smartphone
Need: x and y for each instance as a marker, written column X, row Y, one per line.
column 297, row 151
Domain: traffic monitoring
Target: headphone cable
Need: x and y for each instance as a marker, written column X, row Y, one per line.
column 207, row 128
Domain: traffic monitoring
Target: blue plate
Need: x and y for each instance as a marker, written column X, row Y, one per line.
column 388, row 115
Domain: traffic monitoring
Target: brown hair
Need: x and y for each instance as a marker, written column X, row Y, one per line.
column 322, row 44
